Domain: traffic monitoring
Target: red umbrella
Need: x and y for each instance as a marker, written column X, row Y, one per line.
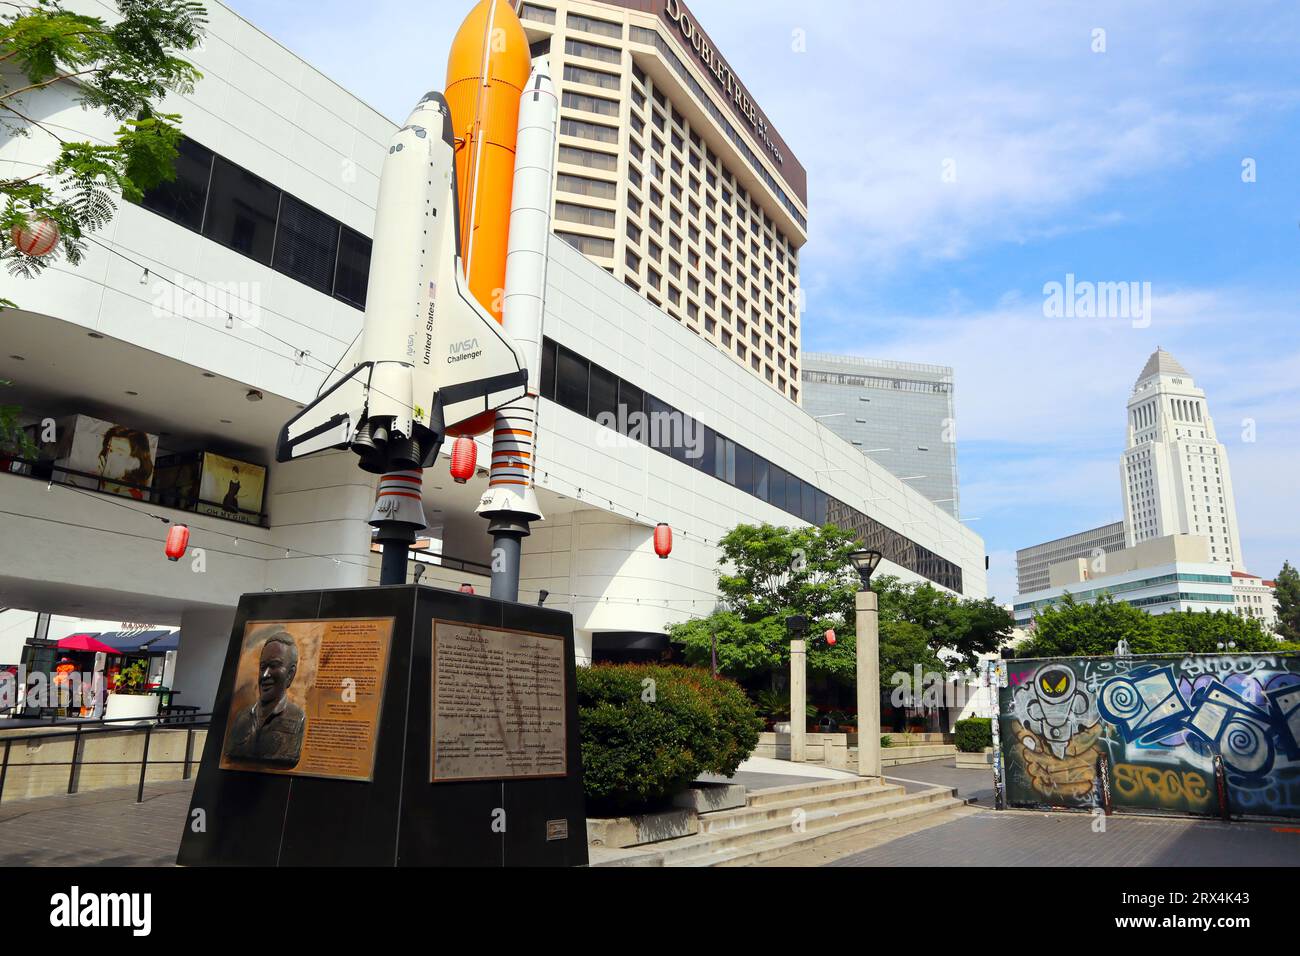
column 85, row 642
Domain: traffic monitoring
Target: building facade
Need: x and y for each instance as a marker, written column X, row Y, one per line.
column 1033, row 564
column 672, row 179
column 1255, row 598
column 1175, row 472
column 899, row 414
column 207, row 316
column 1173, row 573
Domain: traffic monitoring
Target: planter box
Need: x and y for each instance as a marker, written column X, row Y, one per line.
column 141, row 707
column 979, row 761
column 645, row 828
column 711, row 797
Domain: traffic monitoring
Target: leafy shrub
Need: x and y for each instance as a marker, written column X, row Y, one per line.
column 647, row 731
column 974, row 735
column 886, row 741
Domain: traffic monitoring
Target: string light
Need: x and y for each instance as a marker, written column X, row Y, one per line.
column 144, row 277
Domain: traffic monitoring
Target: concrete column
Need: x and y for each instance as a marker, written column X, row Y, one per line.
column 320, row 506
column 205, row 637
column 798, row 701
column 867, row 606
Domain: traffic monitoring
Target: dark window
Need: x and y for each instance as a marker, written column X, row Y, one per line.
column 604, row 393
column 819, row 507
column 776, row 486
column 242, row 209
column 182, row 199
column 808, row 502
column 708, row 450
column 761, row 478
column 659, row 424
column 744, row 469
column 352, row 274
column 632, row 399
column 571, row 381
column 306, row 244
column 546, row 387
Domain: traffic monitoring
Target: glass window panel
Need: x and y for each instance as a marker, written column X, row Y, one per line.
column 604, row 394
column 306, row 244
column 807, row 502
column 242, row 210
column 744, row 469
column 571, row 381
column 547, row 384
column 631, row 402
column 776, row 486
column 352, row 273
column 761, row 488
column 182, row 199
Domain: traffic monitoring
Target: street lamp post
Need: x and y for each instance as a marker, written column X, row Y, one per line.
column 867, row 607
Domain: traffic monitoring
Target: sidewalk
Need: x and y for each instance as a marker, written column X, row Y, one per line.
column 96, row 828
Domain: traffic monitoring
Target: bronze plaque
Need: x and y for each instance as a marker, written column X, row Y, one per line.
column 499, row 704
column 308, row 696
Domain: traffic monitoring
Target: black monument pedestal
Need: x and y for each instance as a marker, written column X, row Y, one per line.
column 399, row 817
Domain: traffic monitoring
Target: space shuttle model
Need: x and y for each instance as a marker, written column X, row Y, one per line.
column 433, row 358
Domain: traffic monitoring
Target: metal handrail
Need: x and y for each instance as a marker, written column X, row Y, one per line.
column 190, row 722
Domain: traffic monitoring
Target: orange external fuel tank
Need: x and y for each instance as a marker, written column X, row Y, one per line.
column 487, row 71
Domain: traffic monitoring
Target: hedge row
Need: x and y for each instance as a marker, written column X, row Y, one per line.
column 647, row 731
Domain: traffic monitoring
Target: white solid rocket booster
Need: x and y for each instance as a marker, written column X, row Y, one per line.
column 514, row 438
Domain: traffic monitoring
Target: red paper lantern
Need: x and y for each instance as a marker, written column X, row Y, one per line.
column 830, row 637
column 464, row 457
column 37, row 238
column 663, row 540
column 467, row 589
column 178, row 539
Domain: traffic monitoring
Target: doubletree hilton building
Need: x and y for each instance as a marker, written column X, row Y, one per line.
column 672, row 177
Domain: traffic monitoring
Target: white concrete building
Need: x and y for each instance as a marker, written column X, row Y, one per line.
column 207, row 316
column 1175, row 472
column 1256, row 598
column 1174, row 573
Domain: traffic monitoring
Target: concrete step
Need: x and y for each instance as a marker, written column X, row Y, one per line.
column 808, row 802
column 779, row 846
column 898, row 756
column 807, row 791
column 707, row 848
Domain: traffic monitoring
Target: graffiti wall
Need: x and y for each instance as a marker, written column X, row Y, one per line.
column 1187, row 735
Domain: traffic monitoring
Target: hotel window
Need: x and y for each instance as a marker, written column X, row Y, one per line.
column 590, row 104
column 585, row 215
column 531, row 11
column 656, row 251
column 590, row 158
column 593, row 51
column 596, row 188
column 593, row 131
column 589, row 245
column 633, row 206
column 590, row 77
column 633, row 231
column 604, row 28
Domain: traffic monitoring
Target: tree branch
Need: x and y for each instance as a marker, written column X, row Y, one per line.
column 53, row 79
column 29, row 120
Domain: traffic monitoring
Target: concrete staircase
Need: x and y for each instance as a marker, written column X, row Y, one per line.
column 780, row 819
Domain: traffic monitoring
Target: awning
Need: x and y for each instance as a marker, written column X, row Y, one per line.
column 142, row 642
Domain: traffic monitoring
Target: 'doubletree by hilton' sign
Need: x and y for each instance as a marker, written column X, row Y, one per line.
column 677, row 15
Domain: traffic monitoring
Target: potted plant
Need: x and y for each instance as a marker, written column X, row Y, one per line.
column 130, row 699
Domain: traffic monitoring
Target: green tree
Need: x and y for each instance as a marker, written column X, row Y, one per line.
column 904, row 646
column 1073, row 629
column 1288, row 603
column 962, row 629
column 769, row 574
column 121, row 69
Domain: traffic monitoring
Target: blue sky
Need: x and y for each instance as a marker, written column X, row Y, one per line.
column 1116, row 166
